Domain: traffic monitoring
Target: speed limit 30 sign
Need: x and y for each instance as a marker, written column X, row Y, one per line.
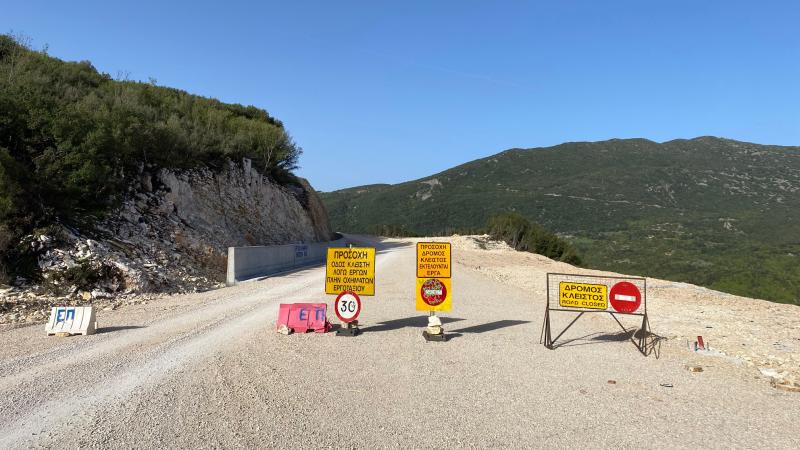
column 347, row 306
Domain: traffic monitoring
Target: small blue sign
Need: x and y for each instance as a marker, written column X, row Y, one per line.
column 64, row 314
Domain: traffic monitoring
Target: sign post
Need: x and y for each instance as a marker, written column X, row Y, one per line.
column 597, row 294
column 434, row 287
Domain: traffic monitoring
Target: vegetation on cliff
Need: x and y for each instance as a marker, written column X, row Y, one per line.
column 72, row 140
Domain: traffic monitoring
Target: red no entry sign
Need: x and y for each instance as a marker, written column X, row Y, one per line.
column 347, row 306
column 625, row 297
column 433, row 292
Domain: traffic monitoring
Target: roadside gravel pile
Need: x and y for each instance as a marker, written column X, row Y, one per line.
column 78, row 270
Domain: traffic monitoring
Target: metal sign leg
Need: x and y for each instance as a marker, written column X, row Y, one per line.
column 644, row 333
column 641, row 344
column 548, row 340
column 565, row 329
column 544, row 324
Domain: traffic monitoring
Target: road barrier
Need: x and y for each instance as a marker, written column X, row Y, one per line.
column 245, row 263
column 581, row 294
column 303, row 317
column 72, row 320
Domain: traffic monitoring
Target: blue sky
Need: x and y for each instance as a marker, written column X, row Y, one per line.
column 378, row 91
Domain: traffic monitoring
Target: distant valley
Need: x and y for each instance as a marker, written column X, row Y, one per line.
column 715, row 212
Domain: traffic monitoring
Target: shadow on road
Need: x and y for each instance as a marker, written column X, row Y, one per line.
column 381, row 244
column 118, row 328
column 652, row 341
column 482, row 328
column 415, row 321
column 449, row 336
column 614, row 337
column 594, row 338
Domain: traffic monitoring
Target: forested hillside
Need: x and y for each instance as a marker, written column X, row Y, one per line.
column 715, row 212
column 73, row 140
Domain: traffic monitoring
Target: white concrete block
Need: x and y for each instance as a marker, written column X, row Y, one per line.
column 72, row 320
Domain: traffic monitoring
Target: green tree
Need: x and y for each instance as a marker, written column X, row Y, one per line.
column 524, row 235
column 72, row 139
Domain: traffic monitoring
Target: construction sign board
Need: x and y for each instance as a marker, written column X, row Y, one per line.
column 434, row 294
column 433, row 260
column 596, row 294
column 620, row 295
column 582, row 295
column 350, row 269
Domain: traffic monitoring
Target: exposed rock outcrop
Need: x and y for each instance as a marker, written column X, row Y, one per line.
column 316, row 211
column 171, row 235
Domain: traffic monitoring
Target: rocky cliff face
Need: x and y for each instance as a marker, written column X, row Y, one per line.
column 235, row 207
column 172, row 234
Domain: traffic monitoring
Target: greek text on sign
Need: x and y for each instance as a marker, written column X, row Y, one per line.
column 433, row 260
column 582, row 295
column 350, row 269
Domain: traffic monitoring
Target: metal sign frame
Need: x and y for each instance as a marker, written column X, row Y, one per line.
column 644, row 332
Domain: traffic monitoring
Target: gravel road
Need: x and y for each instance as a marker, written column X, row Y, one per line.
column 208, row 371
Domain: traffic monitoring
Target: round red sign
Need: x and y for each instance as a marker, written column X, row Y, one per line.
column 347, row 306
column 625, row 297
column 433, row 292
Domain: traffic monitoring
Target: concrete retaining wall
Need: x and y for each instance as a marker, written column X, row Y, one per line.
column 252, row 262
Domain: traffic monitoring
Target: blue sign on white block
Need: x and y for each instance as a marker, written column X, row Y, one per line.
column 71, row 320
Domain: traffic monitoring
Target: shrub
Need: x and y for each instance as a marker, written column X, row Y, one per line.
column 392, row 231
column 85, row 276
column 72, row 140
column 524, row 235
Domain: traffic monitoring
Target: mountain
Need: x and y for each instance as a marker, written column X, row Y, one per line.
column 710, row 211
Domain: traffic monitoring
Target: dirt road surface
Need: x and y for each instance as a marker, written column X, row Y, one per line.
column 208, row 371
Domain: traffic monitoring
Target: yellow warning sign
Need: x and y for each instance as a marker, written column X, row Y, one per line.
column 434, row 294
column 433, row 260
column 350, row 269
column 582, row 295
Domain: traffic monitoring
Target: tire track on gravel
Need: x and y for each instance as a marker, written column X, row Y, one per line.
column 39, row 400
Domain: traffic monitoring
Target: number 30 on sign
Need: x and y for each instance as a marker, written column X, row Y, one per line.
column 347, row 306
